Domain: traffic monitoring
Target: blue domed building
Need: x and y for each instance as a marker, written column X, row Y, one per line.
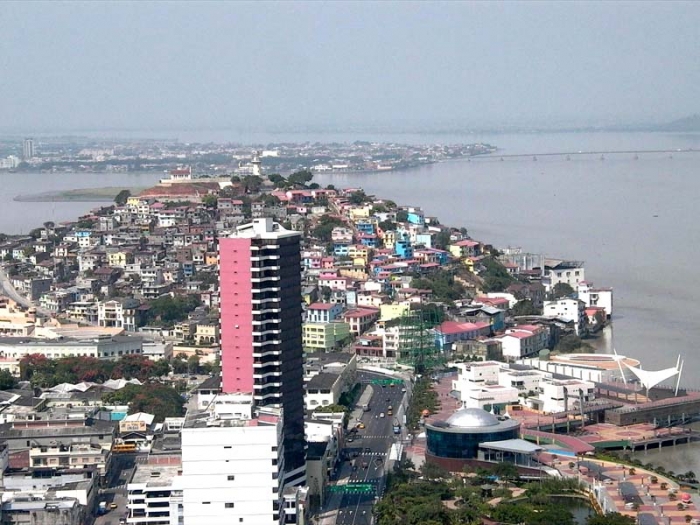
column 457, row 441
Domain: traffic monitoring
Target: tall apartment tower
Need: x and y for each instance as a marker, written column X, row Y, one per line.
column 261, row 328
column 28, row 150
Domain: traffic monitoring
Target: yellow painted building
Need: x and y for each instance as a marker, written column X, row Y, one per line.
column 359, row 252
column 390, row 239
column 120, row 259
column 360, row 212
column 324, row 337
column 387, row 312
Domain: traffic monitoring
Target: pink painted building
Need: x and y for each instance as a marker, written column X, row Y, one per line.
column 261, row 318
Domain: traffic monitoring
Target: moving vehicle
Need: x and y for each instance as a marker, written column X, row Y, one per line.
column 396, row 427
column 113, row 506
column 366, row 407
column 102, row 507
column 381, row 415
column 123, row 448
column 360, row 426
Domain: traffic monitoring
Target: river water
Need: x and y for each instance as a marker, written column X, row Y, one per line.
column 21, row 217
column 631, row 220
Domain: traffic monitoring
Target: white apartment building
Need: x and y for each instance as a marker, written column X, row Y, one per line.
column 154, row 495
column 557, row 271
column 490, row 397
column 557, row 395
column 573, row 310
column 476, row 374
column 118, row 314
column 601, row 297
column 523, row 340
column 71, row 456
column 232, row 460
column 104, row 347
column 524, row 380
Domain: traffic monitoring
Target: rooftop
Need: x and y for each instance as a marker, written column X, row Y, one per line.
column 155, row 475
column 322, row 381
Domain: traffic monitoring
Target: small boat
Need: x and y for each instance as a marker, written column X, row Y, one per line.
column 568, row 157
column 534, row 158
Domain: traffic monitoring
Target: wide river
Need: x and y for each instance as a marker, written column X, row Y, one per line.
column 632, row 220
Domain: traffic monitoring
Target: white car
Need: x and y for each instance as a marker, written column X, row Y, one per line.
column 381, row 415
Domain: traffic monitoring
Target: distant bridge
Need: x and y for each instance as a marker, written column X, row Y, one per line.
column 602, row 153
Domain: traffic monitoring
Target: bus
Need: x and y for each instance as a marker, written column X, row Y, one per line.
column 123, row 448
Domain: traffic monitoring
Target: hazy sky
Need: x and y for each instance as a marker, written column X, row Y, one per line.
column 161, row 65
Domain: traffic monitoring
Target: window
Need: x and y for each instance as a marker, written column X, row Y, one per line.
column 228, row 505
column 206, row 503
column 231, row 477
column 227, row 446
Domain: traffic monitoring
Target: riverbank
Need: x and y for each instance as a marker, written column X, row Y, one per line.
column 78, row 195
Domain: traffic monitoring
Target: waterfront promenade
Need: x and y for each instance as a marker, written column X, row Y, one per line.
column 650, row 498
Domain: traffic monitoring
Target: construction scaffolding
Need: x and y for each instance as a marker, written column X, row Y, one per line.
column 417, row 344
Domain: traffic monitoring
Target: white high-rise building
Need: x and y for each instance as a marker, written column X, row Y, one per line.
column 154, row 495
column 233, row 464
column 28, row 150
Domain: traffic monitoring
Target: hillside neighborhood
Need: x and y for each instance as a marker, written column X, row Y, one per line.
column 110, row 332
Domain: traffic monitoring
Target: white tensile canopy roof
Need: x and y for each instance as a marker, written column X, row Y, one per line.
column 651, row 378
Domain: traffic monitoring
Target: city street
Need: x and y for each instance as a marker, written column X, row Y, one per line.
column 363, row 474
column 8, row 290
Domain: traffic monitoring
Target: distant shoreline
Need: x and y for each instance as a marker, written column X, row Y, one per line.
column 77, row 195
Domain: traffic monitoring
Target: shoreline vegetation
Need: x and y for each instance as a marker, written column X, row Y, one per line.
column 77, row 195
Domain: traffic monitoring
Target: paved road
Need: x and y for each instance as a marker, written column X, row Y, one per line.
column 8, row 290
column 372, row 446
column 116, row 493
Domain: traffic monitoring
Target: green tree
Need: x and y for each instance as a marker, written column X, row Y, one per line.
column 300, row 178
column 495, row 276
column 210, row 200
column 506, row 471
column 161, row 368
column 154, row 398
column 571, row 343
column 7, row 380
column 442, row 284
column 324, row 229
column 122, row 197
column 276, row 178
column 525, row 307
column 562, row 290
column 611, row 518
column 252, row 183
column 387, row 226
column 168, row 309
column 193, row 364
column 235, row 179
column 431, row 471
column 358, row 197
column 179, row 365
column 443, row 239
